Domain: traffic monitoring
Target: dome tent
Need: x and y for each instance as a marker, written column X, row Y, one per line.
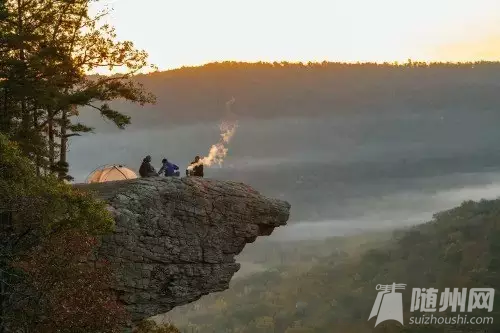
column 112, row 172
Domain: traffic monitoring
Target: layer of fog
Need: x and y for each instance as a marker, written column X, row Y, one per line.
column 408, row 209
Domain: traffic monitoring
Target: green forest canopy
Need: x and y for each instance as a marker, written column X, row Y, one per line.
column 458, row 249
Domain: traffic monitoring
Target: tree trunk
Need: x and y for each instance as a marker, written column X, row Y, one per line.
column 50, row 124
column 25, row 119
column 38, row 158
column 64, row 145
column 6, row 122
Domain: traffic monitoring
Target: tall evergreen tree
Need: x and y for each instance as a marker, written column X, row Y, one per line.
column 47, row 49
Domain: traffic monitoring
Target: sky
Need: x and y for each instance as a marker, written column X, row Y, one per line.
column 194, row 32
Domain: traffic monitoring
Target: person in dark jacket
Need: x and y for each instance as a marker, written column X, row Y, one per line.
column 169, row 169
column 195, row 168
column 146, row 169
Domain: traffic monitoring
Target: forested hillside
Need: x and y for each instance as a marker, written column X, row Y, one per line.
column 269, row 90
column 458, row 248
column 274, row 254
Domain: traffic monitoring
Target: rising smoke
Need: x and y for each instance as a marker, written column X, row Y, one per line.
column 218, row 151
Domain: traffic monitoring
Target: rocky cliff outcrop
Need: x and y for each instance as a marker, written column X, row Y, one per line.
column 176, row 238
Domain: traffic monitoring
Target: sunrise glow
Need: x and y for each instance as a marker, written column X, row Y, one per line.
column 187, row 33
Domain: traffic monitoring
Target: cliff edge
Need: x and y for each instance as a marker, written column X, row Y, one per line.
column 176, row 238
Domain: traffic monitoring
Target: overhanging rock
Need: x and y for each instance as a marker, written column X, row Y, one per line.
column 176, row 238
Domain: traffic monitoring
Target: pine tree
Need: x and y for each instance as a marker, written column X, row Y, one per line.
column 47, row 49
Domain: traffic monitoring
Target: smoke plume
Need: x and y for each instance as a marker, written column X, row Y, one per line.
column 218, row 151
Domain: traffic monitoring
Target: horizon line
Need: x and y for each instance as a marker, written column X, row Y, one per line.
column 395, row 63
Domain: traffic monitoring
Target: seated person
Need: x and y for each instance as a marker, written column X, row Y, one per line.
column 195, row 168
column 146, row 169
column 169, row 169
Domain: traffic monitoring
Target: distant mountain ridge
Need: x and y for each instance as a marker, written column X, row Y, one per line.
column 265, row 90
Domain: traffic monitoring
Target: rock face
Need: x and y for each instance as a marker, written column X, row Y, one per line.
column 176, row 238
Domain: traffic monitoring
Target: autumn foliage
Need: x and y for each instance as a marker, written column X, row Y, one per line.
column 65, row 291
column 49, row 276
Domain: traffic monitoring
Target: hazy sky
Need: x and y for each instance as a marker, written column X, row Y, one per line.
column 193, row 32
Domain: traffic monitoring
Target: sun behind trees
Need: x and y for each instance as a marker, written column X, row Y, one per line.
column 47, row 47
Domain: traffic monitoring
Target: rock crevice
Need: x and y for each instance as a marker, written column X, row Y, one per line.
column 176, row 238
